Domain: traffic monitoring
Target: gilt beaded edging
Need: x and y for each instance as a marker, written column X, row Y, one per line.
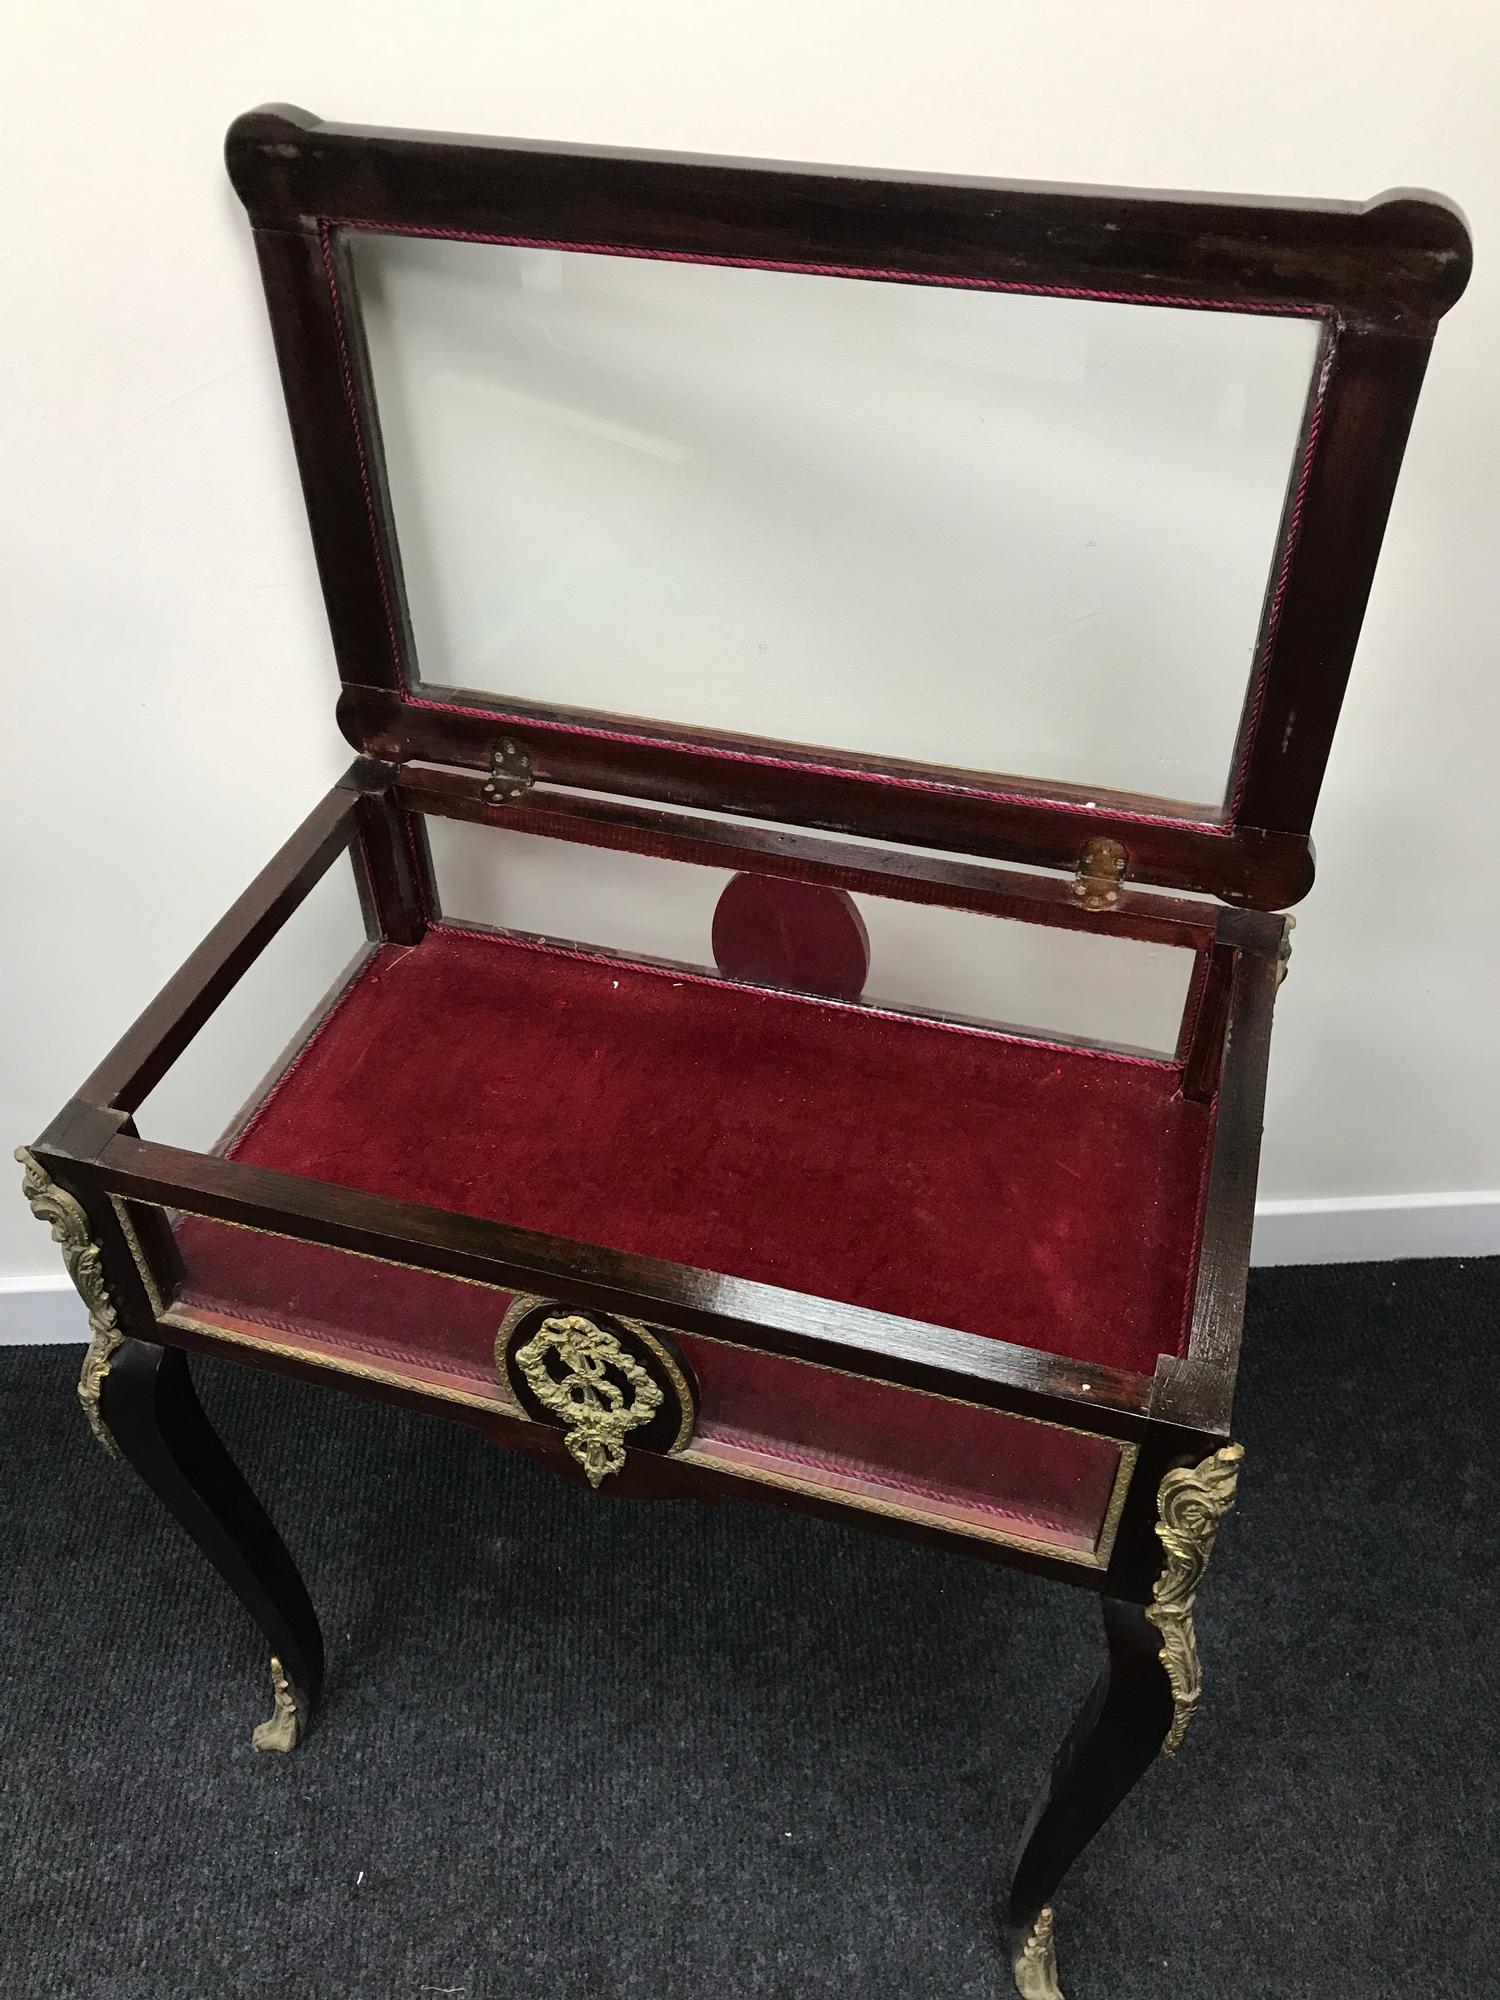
column 594, row 1416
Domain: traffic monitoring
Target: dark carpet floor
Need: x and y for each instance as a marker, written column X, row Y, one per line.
column 574, row 1749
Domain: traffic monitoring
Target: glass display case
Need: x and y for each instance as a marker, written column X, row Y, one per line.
column 840, row 668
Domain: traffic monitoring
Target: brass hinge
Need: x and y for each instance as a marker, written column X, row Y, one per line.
column 1101, row 874
column 510, row 773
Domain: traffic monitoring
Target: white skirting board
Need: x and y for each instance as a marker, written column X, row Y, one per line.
column 1376, row 1228
column 1353, row 1229
column 34, row 1310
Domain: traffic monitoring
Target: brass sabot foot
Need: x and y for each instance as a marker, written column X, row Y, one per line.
column 283, row 1728
column 1036, row 1968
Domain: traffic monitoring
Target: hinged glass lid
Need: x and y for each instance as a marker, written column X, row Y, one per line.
column 964, row 527
column 991, row 517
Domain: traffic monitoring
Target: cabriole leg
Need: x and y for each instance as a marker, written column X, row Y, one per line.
column 1122, row 1726
column 139, row 1401
column 149, row 1408
column 1141, row 1705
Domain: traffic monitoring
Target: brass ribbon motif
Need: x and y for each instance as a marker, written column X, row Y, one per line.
column 594, row 1410
column 1036, row 1968
column 1191, row 1504
column 85, row 1261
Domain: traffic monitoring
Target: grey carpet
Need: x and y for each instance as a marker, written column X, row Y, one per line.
column 573, row 1748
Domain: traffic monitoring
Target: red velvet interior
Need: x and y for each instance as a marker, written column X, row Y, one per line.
column 843, row 1433
column 1043, row 1195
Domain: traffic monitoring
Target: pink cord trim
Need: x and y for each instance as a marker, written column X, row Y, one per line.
column 529, row 725
column 769, row 993
column 1188, row 1026
column 351, row 403
column 334, row 1339
column 1278, row 595
column 1268, row 309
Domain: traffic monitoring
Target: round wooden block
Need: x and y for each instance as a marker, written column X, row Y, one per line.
column 797, row 934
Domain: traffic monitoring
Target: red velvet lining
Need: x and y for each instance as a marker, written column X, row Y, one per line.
column 1046, row 1195
column 864, row 1439
column 1038, row 1194
column 904, row 1446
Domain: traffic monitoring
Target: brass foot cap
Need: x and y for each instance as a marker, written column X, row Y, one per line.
column 1036, row 1968
column 283, row 1729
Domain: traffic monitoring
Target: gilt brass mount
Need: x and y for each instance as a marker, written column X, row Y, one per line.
column 599, row 1413
column 283, row 1731
column 1284, row 952
column 85, row 1265
column 1191, row 1506
column 1036, row 1968
column 604, row 1380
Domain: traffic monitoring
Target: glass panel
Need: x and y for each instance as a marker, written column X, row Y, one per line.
column 787, row 1423
column 250, row 1037
column 357, row 1312
column 938, row 961
column 1004, row 533
column 924, row 1457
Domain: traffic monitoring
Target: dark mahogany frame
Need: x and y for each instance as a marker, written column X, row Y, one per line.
column 1378, row 276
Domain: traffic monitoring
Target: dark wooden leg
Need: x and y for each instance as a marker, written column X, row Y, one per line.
column 1122, row 1727
column 149, row 1408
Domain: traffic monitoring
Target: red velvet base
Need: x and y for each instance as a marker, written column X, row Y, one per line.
column 1043, row 1195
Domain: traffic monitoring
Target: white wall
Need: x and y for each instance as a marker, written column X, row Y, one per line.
column 170, row 685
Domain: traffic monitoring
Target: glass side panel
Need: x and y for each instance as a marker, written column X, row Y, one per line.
column 249, row 1038
column 954, row 963
column 784, row 1423
column 900, row 1451
column 1004, row 533
column 361, row 1313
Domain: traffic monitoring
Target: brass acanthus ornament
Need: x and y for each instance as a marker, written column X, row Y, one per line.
column 594, row 1410
column 1284, row 952
column 1036, row 1969
column 85, row 1261
column 1191, row 1504
column 283, row 1731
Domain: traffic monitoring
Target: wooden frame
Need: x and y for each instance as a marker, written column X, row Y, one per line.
column 142, row 1403
column 1377, row 276
column 93, row 1149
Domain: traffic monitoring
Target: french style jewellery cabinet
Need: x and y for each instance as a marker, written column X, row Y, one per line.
column 713, row 1113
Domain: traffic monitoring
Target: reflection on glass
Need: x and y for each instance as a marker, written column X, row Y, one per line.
column 1024, row 976
column 1005, row 533
column 874, row 1444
